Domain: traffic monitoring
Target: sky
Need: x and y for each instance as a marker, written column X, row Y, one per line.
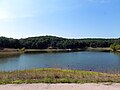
column 64, row 18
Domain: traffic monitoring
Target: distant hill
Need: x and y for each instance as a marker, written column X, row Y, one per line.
column 44, row 42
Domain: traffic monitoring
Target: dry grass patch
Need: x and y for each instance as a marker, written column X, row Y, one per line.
column 56, row 76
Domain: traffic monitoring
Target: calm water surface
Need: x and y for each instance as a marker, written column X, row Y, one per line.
column 95, row 61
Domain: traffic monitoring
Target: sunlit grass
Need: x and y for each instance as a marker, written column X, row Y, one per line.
column 56, row 76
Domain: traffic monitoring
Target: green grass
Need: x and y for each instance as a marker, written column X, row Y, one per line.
column 56, row 76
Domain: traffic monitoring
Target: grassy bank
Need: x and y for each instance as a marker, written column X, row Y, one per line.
column 56, row 76
column 46, row 50
column 66, row 50
column 98, row 49
column 9, row 54
column 11, row 51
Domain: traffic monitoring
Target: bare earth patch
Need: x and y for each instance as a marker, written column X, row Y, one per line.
column 89, row 86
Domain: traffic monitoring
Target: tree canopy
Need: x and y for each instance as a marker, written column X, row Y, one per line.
column 44, row 42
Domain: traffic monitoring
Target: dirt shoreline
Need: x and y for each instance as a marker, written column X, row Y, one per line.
column 88, row 86
column 67, row 50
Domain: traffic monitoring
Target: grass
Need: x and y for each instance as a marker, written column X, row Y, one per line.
column 48, row 75
column 47, row 50
column 66, row 50
column 9, row 54
column 98, row 49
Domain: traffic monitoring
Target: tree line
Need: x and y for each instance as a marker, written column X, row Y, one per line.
column 44, row 42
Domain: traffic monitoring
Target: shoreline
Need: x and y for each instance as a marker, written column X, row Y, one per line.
column 9, row 52
column 68, row 50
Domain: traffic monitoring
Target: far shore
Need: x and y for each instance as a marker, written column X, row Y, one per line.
column 67, row 50
column 7, row 52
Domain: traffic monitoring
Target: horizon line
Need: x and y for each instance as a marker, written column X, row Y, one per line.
column 65, row 37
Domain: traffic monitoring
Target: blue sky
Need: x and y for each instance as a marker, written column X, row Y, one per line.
column 65, row 18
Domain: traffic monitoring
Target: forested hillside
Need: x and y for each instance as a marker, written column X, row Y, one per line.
column 44, row 42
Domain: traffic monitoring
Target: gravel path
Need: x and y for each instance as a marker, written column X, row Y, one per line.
column 60, row 87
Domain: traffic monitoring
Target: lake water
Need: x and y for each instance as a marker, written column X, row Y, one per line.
column 85, row 60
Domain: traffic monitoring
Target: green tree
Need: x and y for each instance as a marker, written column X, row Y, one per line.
column 117, row 47
column 112, row 46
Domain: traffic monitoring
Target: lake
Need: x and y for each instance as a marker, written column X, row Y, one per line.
column 84, row 60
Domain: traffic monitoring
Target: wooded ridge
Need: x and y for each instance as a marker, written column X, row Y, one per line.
column 53, row 42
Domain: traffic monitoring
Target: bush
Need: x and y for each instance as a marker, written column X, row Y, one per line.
column 22, row 50
column 115, row 47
